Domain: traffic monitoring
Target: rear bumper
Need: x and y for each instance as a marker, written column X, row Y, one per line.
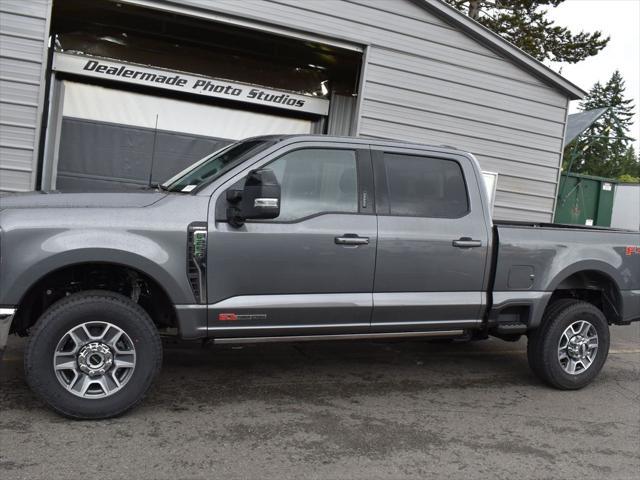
column 6, row 317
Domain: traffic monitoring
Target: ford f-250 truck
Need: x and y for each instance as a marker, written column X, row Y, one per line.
column 292, row 238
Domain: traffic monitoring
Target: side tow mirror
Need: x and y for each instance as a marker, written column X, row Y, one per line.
column 259, row 199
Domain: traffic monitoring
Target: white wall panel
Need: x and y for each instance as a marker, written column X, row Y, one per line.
column 626, row 207
column 23, row 41
column 91, row 102
column 14, row 181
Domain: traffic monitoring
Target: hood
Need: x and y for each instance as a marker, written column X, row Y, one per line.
column 79, row 200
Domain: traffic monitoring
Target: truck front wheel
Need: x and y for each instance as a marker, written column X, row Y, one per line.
column 570, row 347
column 93, row 355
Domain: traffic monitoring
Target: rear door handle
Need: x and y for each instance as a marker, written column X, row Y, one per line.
column 467, row 242
column 351, row 239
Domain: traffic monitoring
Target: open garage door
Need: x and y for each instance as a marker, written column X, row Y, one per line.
column 113, row 139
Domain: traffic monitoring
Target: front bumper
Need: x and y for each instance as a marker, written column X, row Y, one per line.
column 6, row 317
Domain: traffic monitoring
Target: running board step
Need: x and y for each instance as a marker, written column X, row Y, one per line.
column 511, row 328
column 347, row 336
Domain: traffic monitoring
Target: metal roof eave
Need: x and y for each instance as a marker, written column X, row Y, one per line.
column 496, row 42
column 577, row 123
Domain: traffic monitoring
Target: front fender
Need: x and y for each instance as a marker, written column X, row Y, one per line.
column 32, row 257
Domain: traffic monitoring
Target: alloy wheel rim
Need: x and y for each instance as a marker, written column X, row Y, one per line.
column 578, row 347
column 94, row 360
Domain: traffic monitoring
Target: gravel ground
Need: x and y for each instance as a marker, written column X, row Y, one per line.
column 353, row 410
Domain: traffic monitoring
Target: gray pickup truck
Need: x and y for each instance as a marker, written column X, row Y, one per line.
column 293, row 238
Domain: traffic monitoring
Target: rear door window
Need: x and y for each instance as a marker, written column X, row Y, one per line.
column 420, row 186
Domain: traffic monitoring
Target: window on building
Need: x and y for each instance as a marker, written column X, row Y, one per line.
column 425, row 187
column 315, row 181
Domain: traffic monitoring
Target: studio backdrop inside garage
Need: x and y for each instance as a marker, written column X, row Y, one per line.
column 107, row 95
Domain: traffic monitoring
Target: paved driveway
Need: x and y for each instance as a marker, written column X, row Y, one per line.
column 340, row 410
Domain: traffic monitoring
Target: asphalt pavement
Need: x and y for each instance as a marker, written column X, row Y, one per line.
column 340, row 410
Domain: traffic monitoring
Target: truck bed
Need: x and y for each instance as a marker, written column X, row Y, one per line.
column 534, row 260
column 509, row 223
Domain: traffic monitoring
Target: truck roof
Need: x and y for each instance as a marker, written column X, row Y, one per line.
column 290, row 138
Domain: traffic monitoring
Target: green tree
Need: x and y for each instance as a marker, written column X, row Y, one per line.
column 527, row 25
column 605, row 148
column 632, row 170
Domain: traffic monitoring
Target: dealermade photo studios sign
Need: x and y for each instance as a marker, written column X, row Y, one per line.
column 182, row 82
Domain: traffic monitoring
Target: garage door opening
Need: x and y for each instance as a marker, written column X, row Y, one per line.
column 113, row 139
column 138, row 94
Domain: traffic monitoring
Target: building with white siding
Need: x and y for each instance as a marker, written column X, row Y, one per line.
column 111, row 95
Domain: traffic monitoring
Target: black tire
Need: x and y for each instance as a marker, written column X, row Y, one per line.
column 534, row 336
column 542, row 346
column 98, row 306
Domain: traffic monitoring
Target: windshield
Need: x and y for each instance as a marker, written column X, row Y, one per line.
column 211, row 167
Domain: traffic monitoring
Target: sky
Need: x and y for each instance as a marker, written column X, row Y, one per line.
column 620, row 19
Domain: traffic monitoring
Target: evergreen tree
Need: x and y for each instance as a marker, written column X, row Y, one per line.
column 632, row 167
column 604, row 149
column 526, row 24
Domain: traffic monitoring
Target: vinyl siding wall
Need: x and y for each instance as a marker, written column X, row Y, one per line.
column 23, row 41
column 426, row 81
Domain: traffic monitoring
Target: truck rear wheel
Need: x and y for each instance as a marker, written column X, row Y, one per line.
column 571, row 346
column 93, row 355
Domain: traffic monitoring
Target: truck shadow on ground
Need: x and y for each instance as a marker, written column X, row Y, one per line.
column 195, row 375
column 310, row 371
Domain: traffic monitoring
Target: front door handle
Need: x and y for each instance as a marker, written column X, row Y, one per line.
column 467, row 242
column 351, row 239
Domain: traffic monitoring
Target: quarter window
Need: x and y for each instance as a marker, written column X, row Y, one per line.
column 315, row 181
column 425, row 187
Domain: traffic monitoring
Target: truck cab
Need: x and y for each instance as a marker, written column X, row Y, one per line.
column 365, row 238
